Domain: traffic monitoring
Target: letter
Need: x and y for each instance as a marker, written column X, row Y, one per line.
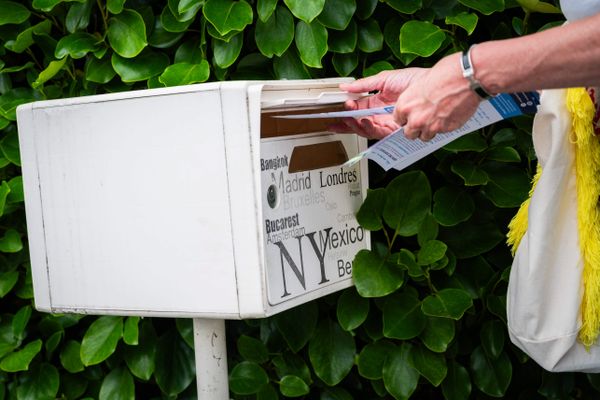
column 320, row 256
column 341, row 269
column 299, row 275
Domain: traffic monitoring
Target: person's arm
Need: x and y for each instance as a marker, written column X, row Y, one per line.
column 439, row 99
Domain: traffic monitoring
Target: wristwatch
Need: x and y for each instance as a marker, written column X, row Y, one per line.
column 469, row 73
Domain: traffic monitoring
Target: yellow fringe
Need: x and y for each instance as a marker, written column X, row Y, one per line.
column 518, row 225
column 587, row 169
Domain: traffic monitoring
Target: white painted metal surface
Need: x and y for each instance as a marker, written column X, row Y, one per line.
column 211, row 359
column 150, row 203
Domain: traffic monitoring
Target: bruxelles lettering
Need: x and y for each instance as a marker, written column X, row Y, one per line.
column 273, row 163
column 328, row 239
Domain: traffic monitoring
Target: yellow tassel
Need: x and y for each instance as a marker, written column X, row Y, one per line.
column 587, row 169
column 518, row 225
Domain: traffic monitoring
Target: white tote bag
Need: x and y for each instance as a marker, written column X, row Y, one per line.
column 546, row 282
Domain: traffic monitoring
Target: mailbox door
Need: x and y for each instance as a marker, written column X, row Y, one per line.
column 130, row 203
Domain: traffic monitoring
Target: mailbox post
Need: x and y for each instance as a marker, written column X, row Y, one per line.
column 191, row 202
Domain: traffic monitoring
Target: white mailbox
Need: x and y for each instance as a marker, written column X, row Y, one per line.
column 192, row 201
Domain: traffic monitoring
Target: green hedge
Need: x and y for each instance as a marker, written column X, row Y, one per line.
column 427, row 318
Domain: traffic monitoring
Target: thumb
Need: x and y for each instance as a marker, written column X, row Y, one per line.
column 375, row 82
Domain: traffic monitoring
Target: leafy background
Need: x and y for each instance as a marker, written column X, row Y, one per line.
column 426, row 318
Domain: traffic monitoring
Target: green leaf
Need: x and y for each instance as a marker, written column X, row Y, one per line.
column 344, row 41
column 127, row 33
column 20, row 320
column 225, row 53
column 375, row 276
column 252, row 349
column 99, row 71
column 470, row 172
column 274, row 36
column 402, row 317
column 369, row 215
column 485, row 7
column 141, row 68
column 305, row 10
column 404, row 6
column 337, row 14
column 377, row 67
column 492, row 338
column 344, row 64
column 185, row 10
column 170, row 22
column 508, row 186
column 370, row 37
column 297, row 325
column 431, row 251
column 293, row 386
column 311, row 41
column 438, row 334
column 25, row 38
column 13, row 13
column 73, row 387
column 373, row 357
column 267, row 392
column 452, row 205
column 289, row 66
column 51, row 70
column 391, row 35
column 399, row 376
column 429, row 364
column 78, row 16
column 247, row 378
column 140, row 358
column 161, row 38
column 175, row 367
column 470, row 142
column 503, row 154
column 100, row 339
column 189, row 52
column 331, row 351
column 39, row 383
column 365, row 8
column 8, row 280
column 70, row 357
column 421, row 37
column 185, row 74
column 228, row 15
column 538, row 6
column 131, row 331
column 447, row 303
column 115, row 6
column 407, row 259
column 265, row 9
column 11, row 242
column 20, row 360
column 352, row 310
column 469, row 240
column 408, row 202
column 475, row 275
column 4, row 192
column 117, row 385
column 292, row 364
column 467, row 21
column 76, row 45
column 48, row 5
column 457, row 385
column 492, row 377
column 185, row 327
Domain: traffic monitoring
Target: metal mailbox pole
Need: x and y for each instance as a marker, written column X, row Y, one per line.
column 211, row 359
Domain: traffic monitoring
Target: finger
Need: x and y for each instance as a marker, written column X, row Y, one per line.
column 427, row 136
column 411, row 132
column 340, row 127
column 375, row 82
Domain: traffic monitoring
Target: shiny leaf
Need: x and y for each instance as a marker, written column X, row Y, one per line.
column 127, row 33
column 274, row 36
column 305, row 10
column 421, row 38
column 402, row 317
column 375, row 276
column 447, row 303
column 184, row 74
column 100, row 339
column 311, row 41
column 228, row 15
column 144, row 66
column 331, row 351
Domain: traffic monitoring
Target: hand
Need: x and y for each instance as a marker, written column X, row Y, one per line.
column 427, row 101
column 437, row 101
column 389, row 85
